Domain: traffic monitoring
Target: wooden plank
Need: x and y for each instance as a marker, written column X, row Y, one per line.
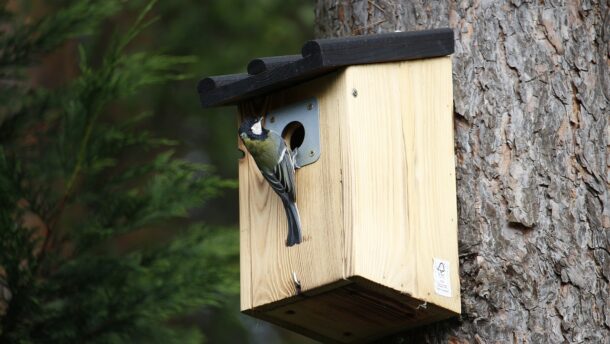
column 427, row 103
column 394, row 46
column 375, row 177
column 322, row 56
column 256, row 85
column 399, row 181
column 318, row 260
column 263, row 64
column 357, row 312
column 212, row 82
column 245, row 257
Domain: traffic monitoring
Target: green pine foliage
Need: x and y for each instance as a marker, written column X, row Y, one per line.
column 74, row 182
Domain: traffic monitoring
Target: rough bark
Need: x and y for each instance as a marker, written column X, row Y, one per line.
column 532, row 112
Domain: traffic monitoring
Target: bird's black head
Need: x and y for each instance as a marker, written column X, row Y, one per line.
column 252, row 128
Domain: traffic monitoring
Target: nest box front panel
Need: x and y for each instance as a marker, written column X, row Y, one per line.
column 270, row 271
column 399, row 177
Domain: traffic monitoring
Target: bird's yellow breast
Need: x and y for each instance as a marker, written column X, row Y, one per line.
column 264, row 153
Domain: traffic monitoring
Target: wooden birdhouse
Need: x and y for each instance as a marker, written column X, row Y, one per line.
column 372, row 120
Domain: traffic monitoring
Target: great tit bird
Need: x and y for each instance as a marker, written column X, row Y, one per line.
column 277, row 164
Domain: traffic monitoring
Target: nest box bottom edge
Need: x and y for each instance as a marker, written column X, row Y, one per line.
column 354, row 310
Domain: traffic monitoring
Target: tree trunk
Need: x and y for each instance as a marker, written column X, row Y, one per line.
column 532, row 107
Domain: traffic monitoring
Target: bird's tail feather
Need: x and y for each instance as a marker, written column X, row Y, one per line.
column 295, row 235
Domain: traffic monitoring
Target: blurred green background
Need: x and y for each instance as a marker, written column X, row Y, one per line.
column 222, row 36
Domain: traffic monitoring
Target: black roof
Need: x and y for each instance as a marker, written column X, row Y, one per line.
column 319, row 57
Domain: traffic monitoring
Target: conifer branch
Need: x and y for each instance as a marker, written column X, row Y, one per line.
column 74, row 287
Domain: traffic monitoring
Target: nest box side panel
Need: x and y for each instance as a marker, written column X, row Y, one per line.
column 245, row 270
column 400, row 177
column 427, row 103
column 267, row 265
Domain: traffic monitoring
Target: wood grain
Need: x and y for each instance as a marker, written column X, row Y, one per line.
column 427, row 121
column 320, row 57
column 263, row 64
column 318, row 260
column 376, row 209
column 401, row 181
column 376, row 184
column 356, row 311
column 387, row 47
column 245, row 256
column 212, row 82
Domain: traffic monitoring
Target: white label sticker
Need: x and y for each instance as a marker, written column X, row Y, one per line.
column 442, row 282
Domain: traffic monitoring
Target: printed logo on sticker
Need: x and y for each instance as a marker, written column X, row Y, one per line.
column 442, row 281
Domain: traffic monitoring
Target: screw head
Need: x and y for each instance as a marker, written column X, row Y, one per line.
column 272, row 119
column 309, row 106
column 355, row 92
column 312, row 153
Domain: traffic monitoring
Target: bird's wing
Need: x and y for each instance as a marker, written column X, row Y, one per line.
column 282, row 178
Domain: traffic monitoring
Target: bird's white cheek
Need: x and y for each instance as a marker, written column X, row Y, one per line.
column 257, row 128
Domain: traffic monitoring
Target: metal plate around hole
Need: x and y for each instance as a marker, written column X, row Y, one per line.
column 307, row 113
